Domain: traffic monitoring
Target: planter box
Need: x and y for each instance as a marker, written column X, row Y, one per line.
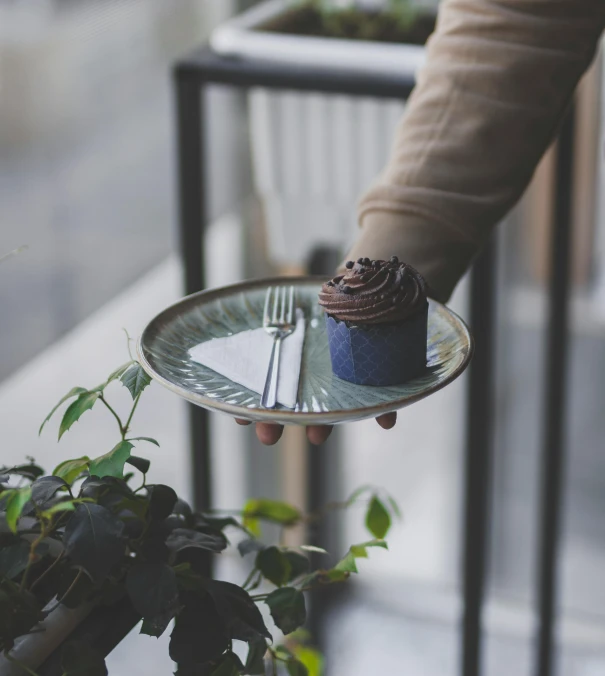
column 240, row 37
column 314, row 154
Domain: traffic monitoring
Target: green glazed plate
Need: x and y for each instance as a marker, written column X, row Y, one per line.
column 323, row 398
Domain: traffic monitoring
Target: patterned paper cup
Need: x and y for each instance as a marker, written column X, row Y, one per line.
column 378, row 354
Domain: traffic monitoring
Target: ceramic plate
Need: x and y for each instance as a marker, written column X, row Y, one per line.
column 323, row 398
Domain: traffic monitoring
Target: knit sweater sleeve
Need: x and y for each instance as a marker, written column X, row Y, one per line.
column 498, row 77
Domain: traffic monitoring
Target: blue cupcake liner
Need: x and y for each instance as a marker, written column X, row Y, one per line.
column 378, row 354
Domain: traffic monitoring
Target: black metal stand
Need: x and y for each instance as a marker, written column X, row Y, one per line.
column 479, row 457
column 553, row 435
column 192, row 216
column 203, row 68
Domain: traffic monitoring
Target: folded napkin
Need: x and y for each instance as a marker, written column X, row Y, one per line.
column 244, row 359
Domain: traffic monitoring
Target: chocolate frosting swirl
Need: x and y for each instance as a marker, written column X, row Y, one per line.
column 375, row 292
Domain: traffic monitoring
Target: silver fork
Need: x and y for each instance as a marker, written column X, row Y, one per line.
column 279, row 322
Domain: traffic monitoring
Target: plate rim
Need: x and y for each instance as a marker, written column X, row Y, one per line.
column 286, row 416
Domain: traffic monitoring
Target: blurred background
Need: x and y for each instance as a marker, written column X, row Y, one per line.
column 88, row 183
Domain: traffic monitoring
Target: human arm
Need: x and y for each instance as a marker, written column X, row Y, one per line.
column 498, row 77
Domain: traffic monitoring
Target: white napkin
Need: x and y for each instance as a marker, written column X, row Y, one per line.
column 244, row 358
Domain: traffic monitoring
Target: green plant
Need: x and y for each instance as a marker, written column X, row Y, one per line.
column 402, row 13
column 397, row 21
column 96, row 531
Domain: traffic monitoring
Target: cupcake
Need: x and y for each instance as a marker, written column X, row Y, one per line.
column 376, row 318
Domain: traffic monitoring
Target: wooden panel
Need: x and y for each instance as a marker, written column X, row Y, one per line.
column 536, row 208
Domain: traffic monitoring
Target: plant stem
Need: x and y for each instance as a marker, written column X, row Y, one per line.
column 32, row 556
column 143, row 485
column 45, row 573
column 19, row 664
column 71, row 586
column 115, row 415
column 127, row 425
column 259, row 597
column 128, row 339
column 249, row 578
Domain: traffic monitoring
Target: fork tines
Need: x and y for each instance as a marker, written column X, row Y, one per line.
column 279, row 306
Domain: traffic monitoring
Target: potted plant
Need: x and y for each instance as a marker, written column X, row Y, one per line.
column 96, row 533
column 313, row 154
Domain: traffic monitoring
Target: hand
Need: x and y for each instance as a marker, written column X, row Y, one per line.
column 270, row 433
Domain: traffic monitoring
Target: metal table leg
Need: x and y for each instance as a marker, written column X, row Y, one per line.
column 553, row 451
column 192, row 222
column 479, row 454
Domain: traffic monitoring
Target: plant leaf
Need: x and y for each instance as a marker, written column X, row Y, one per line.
column 14, row 505
column 149, row 439
column 162, row 500
column 74, row 392
column 333, row 576
column 252, row 526
column 296, row 668
column 288, row 609
column 30, row 471
column 199, row 633
column 76, row 409
column 203, row 521
column 237, row 610
column 311, row 658
column 371, row 543
column 271, row 510
column 135, row 379
column 142, row 464
column 356, row 494
column 185, row 538
column 112, row 463
column 299, row 564
column 13, row 559
column 93, row 539
column 80, row 659
column 70, row 470
column 154, row 594
column 183, row 509
column 347, row 564
column 64, row 506
column 359, row 552
column 274, row 566
column 228, row 666
column 248, row 546
column 119, row 372
column 45, row 488
column 312, row 548
column 378, row 519
column 255, row 662
column 19, row 611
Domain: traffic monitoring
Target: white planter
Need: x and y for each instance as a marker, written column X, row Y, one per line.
column 33, row 649
column 314, row 154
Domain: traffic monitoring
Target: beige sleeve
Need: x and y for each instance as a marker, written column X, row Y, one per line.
column 498, row 77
